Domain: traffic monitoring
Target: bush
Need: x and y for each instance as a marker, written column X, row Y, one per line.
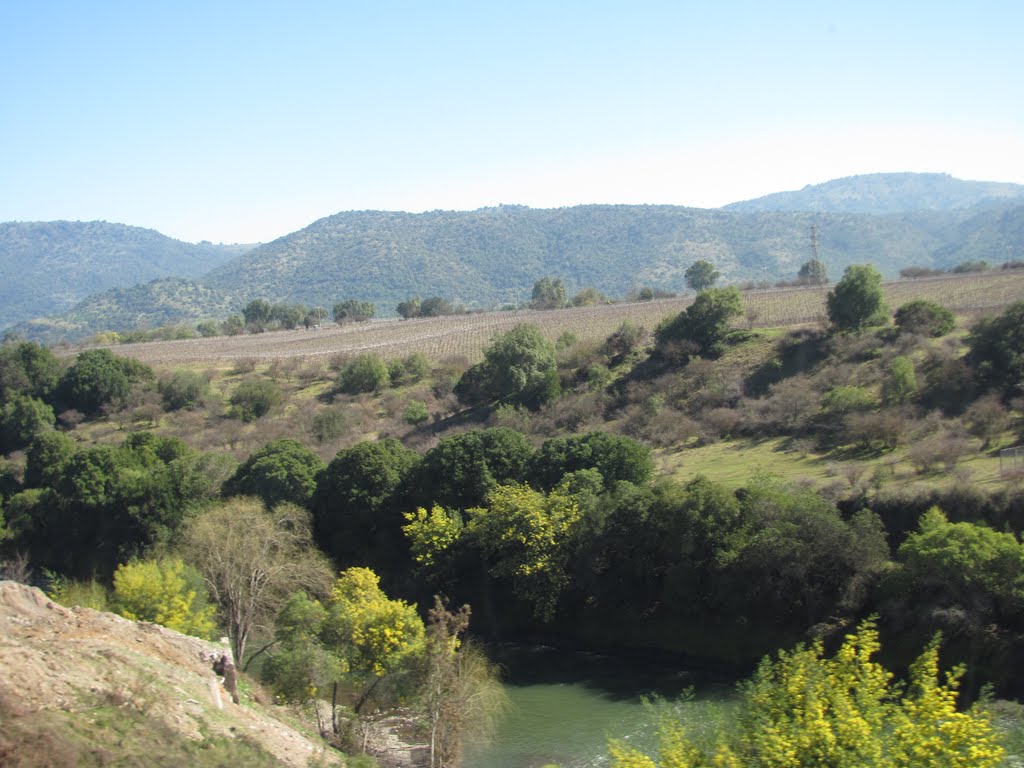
column 366, row 373
column 702, row 327
column 183, row 389
column 252, row 400
column 415, row 413
column 924, row 317
column 329, row 425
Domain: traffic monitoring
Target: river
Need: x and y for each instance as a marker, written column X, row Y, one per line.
column 563, row 707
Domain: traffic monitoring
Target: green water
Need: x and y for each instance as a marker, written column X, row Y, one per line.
column 565, row 707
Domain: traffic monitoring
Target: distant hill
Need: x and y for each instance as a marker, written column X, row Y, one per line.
column 494, row 255
column 883, row 193
column 48, row 267
column 168, row 301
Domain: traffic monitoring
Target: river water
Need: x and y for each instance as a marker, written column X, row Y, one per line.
column 565, row 706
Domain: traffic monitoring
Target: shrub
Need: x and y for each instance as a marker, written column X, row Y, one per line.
column 183, row 389
column 366, row 373
column 924, row 317
column 253, row 399
column 415, row 413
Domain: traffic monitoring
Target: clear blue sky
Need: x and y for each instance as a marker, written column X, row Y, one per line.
column 243, row 121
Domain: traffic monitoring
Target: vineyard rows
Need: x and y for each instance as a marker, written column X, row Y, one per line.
column 468, row 335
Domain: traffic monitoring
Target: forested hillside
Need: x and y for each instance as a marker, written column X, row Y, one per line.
column 48, row 267
column 163, row 302
column 484, row 257
column 491, row 257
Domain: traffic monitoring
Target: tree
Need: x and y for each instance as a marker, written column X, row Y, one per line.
column 701, row 275
column 98, row 378
column 996, row 349
column 436, row 306
column 548, row 293
column 409, row 308
column 703, row 326
column 288, row 315
column 924, row 317
column 518, row 367
column 901, row 385
column 461, row 470
column 353, row 311
column 28, row 368
column 812, row 272
column 23, row 417
column 359, row 635
column 358, row 503
column 589, row 297
column 857, row 301
column 166, row 592
column 366, row 373
column 615, row 457
column 461, row 691
column 526, row 536
column 803, row 710
column 257, row 314
column 252, row 559
column 282, row 470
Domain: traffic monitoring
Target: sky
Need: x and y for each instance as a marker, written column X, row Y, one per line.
column 244, row 121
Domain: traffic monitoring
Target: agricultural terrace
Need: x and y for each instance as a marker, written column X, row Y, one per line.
column 967, row 295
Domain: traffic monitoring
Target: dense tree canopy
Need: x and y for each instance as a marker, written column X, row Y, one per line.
column 359, row 500
column 615, row 457
column 282, row 470
column 460, row 471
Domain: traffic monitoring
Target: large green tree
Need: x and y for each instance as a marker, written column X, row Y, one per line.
column 98, row 378
column 282, row 470
column 460, row 471
column 857, row 300
column 617, row 458
column 518, row 367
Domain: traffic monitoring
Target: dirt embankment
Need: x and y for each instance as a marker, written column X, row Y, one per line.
column 81, row 687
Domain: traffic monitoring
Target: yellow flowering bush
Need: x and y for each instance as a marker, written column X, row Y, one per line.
column 159, row 591
column 803, row 710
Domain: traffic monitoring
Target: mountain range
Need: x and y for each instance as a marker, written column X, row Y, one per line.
column 492, row 256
